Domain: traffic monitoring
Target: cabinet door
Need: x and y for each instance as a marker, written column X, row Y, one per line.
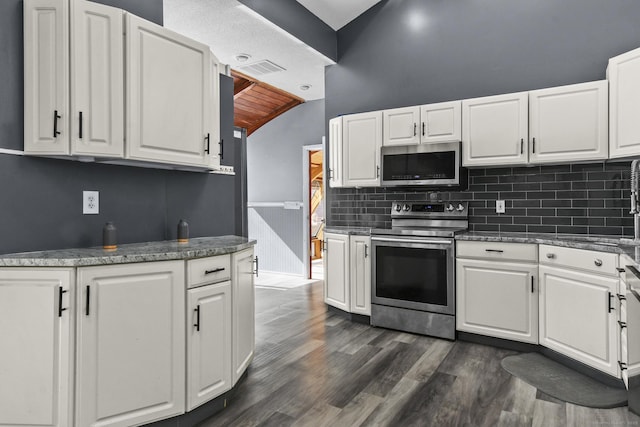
column 623, row 73
column 569, row 123
column 498, row 299
column 36, row 361
column 441, row 122
column 168, row 97
column 494, row 130
column 243, row 295
column 208, row 343
column 360, row 274
column 336, row 271
column 578, row 316
column 131, row 343
column 335, row 152
column 400, row 126
column 97, row 73
column 46, row 76
column 361, row 141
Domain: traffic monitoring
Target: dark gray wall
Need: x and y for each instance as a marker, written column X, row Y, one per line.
column 274, row 153
column 409, row 52
column 294, row 18
column 41, row 199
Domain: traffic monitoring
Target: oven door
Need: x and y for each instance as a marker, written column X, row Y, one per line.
column 413, row 273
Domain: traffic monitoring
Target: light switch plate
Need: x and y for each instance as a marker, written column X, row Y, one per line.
column 90, row 203
column 500, row 206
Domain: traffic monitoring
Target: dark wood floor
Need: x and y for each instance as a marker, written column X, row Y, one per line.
column 314, row 368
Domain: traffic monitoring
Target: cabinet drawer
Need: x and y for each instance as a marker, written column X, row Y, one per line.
column 203, row 271
column 497, row 250
column 581, row 259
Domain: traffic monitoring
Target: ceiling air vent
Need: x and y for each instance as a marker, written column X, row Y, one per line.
column 260, row 68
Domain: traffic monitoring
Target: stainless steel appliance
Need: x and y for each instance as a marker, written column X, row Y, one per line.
column 413, row 268
column 435, row 165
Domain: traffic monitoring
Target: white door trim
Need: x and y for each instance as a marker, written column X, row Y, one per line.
column 305, row 199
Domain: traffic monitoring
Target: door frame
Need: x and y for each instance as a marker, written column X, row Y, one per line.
column 306, row 242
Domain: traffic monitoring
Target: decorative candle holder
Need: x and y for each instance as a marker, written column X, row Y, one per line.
column 183, row 231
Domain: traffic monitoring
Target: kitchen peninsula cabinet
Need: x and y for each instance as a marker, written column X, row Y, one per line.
column 578, row 305
column 494, row 130
column 131, row 341
column 74, row 78
column 244, row 312
column 361, row 142
column 569, row 123
column 623, row 73
column 36, row 361
column 497, row 290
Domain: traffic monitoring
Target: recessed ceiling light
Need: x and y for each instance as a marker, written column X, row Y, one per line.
column 305, row 87
column 242, row 57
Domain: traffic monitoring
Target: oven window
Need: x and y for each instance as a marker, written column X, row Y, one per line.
column 412, row 274
column 419, row 166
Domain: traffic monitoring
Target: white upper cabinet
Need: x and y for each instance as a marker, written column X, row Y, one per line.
column 214, row 147
column 569, row 123
column 335, row 152
column 361, row 142
column 400, row 126
column 441, row 122
column 168, row 99
column 97, row 76
column 46, row 77
column 623, row 73
column 494, row 130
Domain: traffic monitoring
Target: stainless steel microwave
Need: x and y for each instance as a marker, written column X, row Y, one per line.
column 436, row 164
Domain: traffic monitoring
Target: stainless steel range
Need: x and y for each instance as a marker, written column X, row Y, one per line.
column 413, row 266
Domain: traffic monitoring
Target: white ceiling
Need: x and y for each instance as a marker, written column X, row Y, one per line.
column 231, row 28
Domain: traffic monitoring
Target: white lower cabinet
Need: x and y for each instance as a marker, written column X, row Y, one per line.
column 243, row 341
column 347, row 272
column 496, row 295
column 130, row 343
column 208, row 343
column 578, row 315
column 36, row 360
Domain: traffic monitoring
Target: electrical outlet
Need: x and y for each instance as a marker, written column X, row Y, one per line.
column 500, row 206
column 90, row 202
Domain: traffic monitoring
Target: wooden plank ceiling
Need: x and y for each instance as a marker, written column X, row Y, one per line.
column 256, row 103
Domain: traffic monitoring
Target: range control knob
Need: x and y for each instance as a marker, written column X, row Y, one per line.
column 450, row 208
column 460, row 207
column 406, row 208
column 397, row 207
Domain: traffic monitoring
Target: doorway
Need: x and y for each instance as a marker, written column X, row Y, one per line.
column 314, row 209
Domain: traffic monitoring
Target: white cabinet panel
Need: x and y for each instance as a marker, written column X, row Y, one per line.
column 441, row 122
column 214, row 139
column 400, row 126
column 360, row 274
column 361, row 142
column 494, row 130
column 578, row 317
column 168, row 95
column 623, row 73
column 243, row 296
column 131, row 343
column 335, row 152
column 97, row 75
column 569, row 123
column 36, row 361
column 336, row 271
column 498, row 299
column 46, row 76
column 208, row 343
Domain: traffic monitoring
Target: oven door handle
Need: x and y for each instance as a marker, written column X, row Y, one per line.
column 398, row 240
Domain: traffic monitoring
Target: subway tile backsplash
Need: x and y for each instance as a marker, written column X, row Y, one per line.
column 590, row 198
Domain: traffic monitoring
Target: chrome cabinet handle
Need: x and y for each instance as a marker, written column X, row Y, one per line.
column 598, row 262
column 415, row 129
column 494, row 250
column 551, row 256
column 215, row 270
column 366, row 253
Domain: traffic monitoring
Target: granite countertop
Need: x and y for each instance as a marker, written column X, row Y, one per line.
column 128, row 253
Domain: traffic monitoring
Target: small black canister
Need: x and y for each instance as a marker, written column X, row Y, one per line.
column 183, row 231
column 109, row 236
